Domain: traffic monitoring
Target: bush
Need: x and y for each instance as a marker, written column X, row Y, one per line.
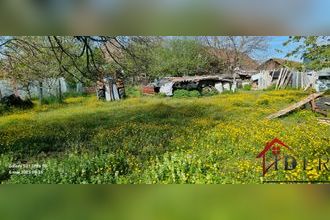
column 264, row 102
column 3, row 109
column 209, row 91
column 74, row 94
column 247, row 87
column 133, row 91
column 182, row 93
column 51, row 100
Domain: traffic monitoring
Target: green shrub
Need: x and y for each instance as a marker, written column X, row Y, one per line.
column 270, row 88
column 247, row 87
column 133, row 91
column 3, row 109
column 182, row 93
column 241, row 104
column 209, row 91
column 51, row 100
column 263, row 102
column 73, row 94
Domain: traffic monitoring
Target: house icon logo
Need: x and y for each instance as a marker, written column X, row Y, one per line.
column 272, row 149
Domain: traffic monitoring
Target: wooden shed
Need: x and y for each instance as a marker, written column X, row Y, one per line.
column 276, row 64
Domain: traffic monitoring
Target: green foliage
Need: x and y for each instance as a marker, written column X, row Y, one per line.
column 182, row 93
column 73, row 94
column 315, row 50
column 72, row 170
column 51, row 100
column 133, row 91
column 264, row 102
column 175, row 57
column 209, row 91
column 247, row 87
column 3, row 109
column 157, row 140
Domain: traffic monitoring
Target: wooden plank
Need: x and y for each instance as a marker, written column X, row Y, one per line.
column 287, row 81
column 295, row 106
column 283, row 78
column 324, row 121
column 278, row 79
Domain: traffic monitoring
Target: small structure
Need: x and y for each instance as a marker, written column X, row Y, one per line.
column 276, row 64
column 48, row 87
column 109, row 89
column 284, row 77
column 218, row 83
column 322, row 82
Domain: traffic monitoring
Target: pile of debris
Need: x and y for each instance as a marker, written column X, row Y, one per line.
column 318, row 104
column 168, row 85
column 110, row 89
column 284, row 77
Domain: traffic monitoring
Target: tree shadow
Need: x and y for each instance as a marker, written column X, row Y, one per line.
column 143, row 131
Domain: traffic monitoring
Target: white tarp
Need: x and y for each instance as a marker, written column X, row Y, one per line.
column 167, row 89
column 219, row 87
column 255, row 77
column 226, row 86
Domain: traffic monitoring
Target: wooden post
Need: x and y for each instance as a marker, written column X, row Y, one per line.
column 283, row 78
column 279, row 78
column 59, row 90
column 40, row 92
column 297, row 79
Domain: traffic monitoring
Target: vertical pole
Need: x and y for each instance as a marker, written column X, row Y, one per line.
column 59, row 90
column 40, row 93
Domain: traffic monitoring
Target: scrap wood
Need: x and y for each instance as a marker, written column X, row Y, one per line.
column 327, row 103
column 324, row 121
column 316, row 109
column 285, row 73
column 279, row 78
column 295, row 106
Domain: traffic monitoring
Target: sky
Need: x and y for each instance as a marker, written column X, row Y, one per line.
column 275, row 44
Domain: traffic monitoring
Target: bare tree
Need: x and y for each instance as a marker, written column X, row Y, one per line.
column 232, row 49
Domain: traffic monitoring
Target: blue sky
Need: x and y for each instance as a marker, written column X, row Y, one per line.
column 276, row 43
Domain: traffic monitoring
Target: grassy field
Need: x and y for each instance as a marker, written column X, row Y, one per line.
column 158, row 140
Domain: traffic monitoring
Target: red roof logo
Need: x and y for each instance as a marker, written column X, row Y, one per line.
column 275, row 147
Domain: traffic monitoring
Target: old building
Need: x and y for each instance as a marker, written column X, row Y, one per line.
column 276, row 64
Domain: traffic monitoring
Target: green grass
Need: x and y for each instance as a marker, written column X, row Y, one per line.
column 156, row 139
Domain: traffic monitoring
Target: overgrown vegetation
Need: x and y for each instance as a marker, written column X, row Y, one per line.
column 182, row 93
column 158, row 140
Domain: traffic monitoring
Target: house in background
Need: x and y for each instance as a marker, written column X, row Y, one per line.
column 276, row 64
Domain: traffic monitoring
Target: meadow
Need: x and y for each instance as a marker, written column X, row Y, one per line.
column 157, row 139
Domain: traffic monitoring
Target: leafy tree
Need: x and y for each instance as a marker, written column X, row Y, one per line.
column 315, row 50
column 180, row 57
column 29, row 60
column 167, row 57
